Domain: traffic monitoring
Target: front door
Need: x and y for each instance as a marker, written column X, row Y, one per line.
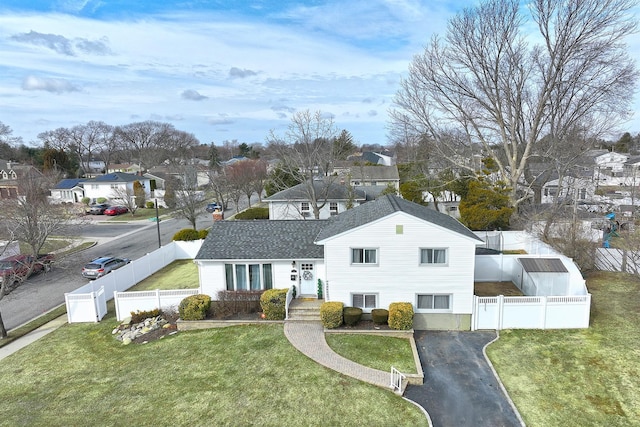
column 307, row 279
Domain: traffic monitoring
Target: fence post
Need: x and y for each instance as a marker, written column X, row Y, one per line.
column 500, row 313
column 117, row 304
column 544, row 312
column 158, row 299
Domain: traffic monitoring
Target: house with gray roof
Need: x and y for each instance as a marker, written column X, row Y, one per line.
column 383, row 251
column 331, row 197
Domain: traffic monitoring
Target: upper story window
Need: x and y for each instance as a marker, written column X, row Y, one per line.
column 433, row 256
column 364, row 256
column 333, row 208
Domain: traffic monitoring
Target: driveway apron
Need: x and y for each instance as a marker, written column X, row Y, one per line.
column 459, row 387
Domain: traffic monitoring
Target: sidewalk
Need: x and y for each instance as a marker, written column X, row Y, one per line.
column 32, row 336
column 308, row 338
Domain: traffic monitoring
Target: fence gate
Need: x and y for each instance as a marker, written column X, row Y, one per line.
column 101, row 304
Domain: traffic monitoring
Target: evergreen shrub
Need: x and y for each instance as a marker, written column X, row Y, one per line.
column 194, row 307
column 351, row 315
column 380, row 316
column 273, row 303
column 401, row 315
column 331, row 314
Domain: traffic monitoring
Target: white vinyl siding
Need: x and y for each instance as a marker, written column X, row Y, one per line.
column 398, row 274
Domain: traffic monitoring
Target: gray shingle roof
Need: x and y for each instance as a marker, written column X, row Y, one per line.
column 387, row 205
column 543, row 265
column 263, row 239
column 332, row 190
column 68, row 183
column 115, row 177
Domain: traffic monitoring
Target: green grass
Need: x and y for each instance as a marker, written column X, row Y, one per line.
column 245, row 375
column 579, row 377
column 182, row 274
column 140, row 213
column 374, row 351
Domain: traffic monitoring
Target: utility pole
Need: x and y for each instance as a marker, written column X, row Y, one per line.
column 158, row 225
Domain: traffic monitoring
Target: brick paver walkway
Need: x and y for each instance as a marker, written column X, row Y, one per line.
column 308, row 338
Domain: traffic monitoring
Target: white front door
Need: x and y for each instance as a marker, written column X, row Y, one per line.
column 307, row 279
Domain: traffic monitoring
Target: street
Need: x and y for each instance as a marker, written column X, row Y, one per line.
column 43, row 292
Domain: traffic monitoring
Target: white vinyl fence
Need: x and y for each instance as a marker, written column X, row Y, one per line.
column 88, row 303
column 610, row 259
column 553, row 312
column 127, row 302
column 569, row 310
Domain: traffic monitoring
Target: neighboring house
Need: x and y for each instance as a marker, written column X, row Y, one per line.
column 68, row 190
column 10, row 175
column 569, row 190
column 381, row 176
column 113, row 185
column 384, row 251
column 293, row 203
column 124, row 167
column 371, row 157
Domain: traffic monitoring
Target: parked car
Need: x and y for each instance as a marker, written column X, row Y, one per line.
column 116, row 210
column 17, row 268
column 103, row 265
column 98, row 209
column 212, row 207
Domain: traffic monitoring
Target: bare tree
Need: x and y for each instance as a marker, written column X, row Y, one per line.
column 30, row 218
column 307, row 149
column 189, row 201
column 486, row 88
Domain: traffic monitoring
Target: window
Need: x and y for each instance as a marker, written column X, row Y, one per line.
column 434, row 302
column 432, row 256
column 363, row 300
column 333, row 208
column 243, row 277
column 228, row 271
column 364, row 256
column 305, row 209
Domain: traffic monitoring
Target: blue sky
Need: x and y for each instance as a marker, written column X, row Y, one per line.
column 221, row 70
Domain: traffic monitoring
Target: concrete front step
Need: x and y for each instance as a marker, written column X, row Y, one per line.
column 305, row 310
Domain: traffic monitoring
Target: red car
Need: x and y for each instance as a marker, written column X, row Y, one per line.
column 115, row 210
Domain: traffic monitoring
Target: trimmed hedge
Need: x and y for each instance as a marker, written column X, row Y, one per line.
column 253, row 213
column 331, row 314
column 194, row 307
column 203, row 233
column 187, row 234
column 401, row 315
column 140, row 316
column 273, row 303
column 351, row 315
column 380, row 316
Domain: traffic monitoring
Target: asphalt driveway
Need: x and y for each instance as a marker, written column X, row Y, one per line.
column 459, row 387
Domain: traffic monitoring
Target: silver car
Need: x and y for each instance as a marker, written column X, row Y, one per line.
column 101, row 266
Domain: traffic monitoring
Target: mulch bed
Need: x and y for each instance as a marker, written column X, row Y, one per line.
column 363, row 325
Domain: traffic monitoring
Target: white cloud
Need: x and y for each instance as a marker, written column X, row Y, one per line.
column 48, row 84
column 192, row 95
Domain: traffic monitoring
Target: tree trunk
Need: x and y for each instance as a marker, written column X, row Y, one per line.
column 3, row 330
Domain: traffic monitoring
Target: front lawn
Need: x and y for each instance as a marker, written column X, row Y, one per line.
column 579, row 377
column 244, row 375
column 180, row 274
column 375, row 351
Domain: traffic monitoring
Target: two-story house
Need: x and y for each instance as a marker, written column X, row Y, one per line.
column 383, row 251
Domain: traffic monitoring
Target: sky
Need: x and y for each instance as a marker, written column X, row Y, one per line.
column 220, row 69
